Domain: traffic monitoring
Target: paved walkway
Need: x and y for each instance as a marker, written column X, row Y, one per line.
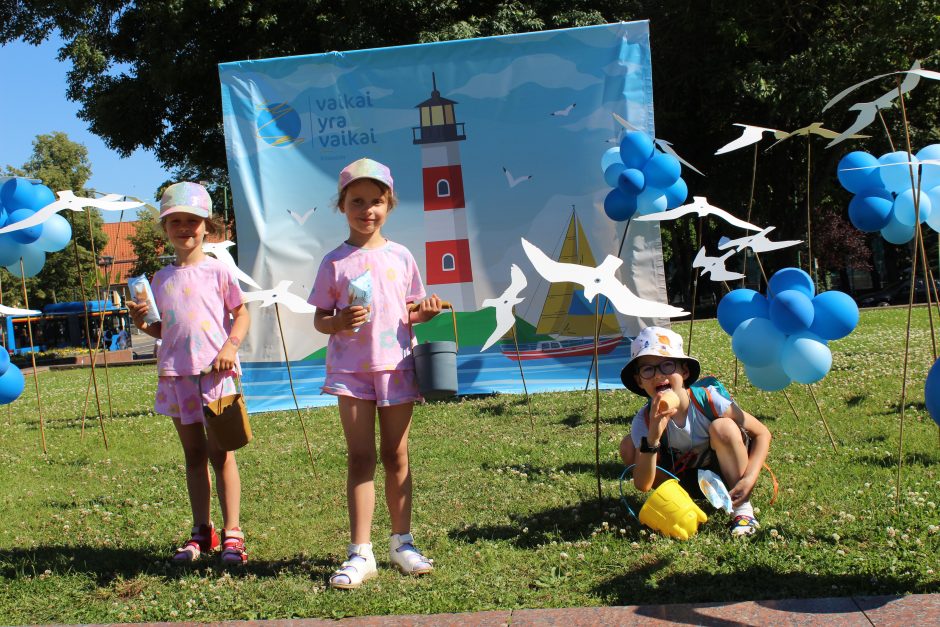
column 917, row 609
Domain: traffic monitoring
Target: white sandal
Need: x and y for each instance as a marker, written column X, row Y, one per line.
column 358, row 567
column 406, row 557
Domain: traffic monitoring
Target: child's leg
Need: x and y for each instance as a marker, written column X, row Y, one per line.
column 394, row 425
column 358, row 418
column 228, row 485
column 198, row 483
column 728, row 443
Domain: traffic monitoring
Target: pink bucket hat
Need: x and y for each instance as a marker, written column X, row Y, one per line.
column 186, row 197
column 662, row 343
column 366, row 169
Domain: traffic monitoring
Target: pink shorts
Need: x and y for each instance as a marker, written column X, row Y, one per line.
column 180, row 397
column 385, row 387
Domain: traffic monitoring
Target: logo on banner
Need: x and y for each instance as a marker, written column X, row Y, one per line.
column 278, row 124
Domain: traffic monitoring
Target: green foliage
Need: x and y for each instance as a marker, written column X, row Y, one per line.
column 149, row 242
column 509, row 513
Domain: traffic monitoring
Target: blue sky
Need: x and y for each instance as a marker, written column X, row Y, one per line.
column 34, row 103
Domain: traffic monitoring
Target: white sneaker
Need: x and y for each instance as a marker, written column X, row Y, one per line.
column 405, row 557
column 358, row 567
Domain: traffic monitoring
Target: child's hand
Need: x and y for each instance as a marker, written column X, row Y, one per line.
column 350, row 318
column 428, row 308
column 225, row 360
column 742, row 490
column 138, row 313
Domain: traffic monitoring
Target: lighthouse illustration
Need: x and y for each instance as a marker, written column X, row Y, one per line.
column 447, row 247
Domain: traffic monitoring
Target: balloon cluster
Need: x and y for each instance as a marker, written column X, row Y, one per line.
column 11, row 379
column 885, row 196
column 644, row 180
column 783, row 338
column 20, row 199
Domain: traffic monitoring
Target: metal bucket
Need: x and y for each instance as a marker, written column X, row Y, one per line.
column 436, row 369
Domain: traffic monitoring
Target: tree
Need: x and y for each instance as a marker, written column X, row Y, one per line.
column 60, row 164
column 149, row 242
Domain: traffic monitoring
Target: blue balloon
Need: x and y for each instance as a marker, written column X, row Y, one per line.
column 619, row 206
column 905, row 211
column 631, row 181
column 609, row 158
column 770, row 378
column 4, row 360
column 28, row 235
column 651, row 200
column 10, row 250
column 662, row 170
column 836, row 315
column 56, row 233
column 857, row 181
column 636, row 148
column 757, row 342
column 42, row 196
column 676, row 194
column 33, row 261
column 11, row 385
column 791, row 311
column 739, row 305
column 933, row 220
column 930, row 172
column 791, row 279
column 612, row 173
column 932, row 392
column 805, row 358
column 897, row 178
column 896, row 233
column 17, row 193
column 871, row 209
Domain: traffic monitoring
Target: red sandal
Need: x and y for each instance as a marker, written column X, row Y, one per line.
column 203, row 539
column 233, row 547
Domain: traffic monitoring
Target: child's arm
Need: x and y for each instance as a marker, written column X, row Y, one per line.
column 644, row 473
column 138, row 313
column 427, row 309
column 760, row 446
column 225, row 360
column 330, row 322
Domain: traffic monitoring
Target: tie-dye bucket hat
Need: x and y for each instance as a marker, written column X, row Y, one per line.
column 662, row 343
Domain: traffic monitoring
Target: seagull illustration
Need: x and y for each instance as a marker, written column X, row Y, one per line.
column 868, row 110
column 700, row 207
column 599, row 280
column 714, row 267
column 220, row 251
column 758, row 243
column 282, row 296
column 663, row 145
column 751, row 135
column 68, row 200
column 301, row 219
column 565, row 111
column 513, row 181
column 915, row 70
column 816, row 128
column 14, row 311
column 504, row 304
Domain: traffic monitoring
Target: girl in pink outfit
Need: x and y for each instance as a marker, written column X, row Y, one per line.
column 362, row 293
column 203, row 321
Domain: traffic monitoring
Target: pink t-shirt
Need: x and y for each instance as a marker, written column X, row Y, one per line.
column 194, row 303
column 383, row 343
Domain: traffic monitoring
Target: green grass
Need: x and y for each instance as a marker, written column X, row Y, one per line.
column 510, row 515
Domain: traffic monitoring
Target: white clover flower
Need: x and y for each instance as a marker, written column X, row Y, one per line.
column 563, row 555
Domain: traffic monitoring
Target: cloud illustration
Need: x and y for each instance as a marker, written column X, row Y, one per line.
column 547, row 70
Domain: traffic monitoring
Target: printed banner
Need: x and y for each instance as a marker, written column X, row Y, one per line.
column 489, row 141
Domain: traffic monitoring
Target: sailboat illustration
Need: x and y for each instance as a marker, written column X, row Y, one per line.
column 566, row 313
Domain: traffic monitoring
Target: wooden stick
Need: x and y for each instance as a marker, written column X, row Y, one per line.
column 32, row 355
column 290, row 378
column 597, row 410
column 822, row 417
column 525, row 389
column 107, row 376
column 698, row 275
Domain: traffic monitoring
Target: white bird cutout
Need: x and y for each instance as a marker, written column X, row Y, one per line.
column 68, row 200
column 565, row 111
column 759, row 243
column 663, row 145
column 14, row 311
column 301, row 219
column 220, row 251
column 751, row 135
column 599, row 280
column 714, row 267
column 816, row 128
column 700, row 207
column 915, row 70
column 504, row 304
column 515, row 180
column 867, row 111
column 282, row 296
